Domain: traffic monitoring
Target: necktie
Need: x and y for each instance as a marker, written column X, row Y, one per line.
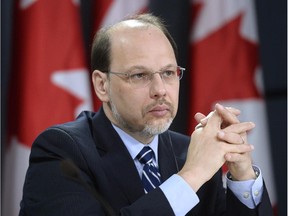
column 150, row 175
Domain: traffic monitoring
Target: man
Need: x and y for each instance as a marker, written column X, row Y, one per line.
column 93, row 166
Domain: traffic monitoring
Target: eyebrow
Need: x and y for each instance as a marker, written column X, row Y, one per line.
column 145, row 68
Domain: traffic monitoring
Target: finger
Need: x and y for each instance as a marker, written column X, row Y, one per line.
column 227, row 116
column 214, row 121
column 199, row 126
column 233, row 110
column 240, row 149
column 199, row 116
column 232, row 138
column 239, row 128
column 243, row 140
column 235, row 157
column 204, row 121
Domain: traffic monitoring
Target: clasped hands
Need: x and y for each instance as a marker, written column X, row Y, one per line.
column 218, row 138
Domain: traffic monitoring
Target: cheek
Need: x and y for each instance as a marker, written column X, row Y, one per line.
column 134, row 103
column 173, row 94
column 176, row 99
column 128, row 100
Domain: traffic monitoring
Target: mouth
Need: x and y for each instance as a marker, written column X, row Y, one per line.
column 159, row 110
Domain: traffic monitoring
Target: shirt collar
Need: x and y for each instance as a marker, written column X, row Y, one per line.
column 134, row 146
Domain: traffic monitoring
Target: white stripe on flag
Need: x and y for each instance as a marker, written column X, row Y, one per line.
column 122, row 8
column 16, row 164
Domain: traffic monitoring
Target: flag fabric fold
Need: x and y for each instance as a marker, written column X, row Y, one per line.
column 50, row 82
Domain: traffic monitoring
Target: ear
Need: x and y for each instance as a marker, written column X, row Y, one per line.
column 100, row 83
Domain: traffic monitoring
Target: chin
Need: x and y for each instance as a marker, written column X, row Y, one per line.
column 157, row 128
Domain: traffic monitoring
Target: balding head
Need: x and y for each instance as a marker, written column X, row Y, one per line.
column 101, row 48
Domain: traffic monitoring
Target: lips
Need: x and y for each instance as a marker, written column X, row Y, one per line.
column 160, row 110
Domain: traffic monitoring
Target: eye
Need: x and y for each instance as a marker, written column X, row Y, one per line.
column 139, row 76
column 168, row 73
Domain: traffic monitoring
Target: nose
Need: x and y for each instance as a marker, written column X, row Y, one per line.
column 157, row 86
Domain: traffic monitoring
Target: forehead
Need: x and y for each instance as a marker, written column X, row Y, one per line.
column 128, row 29
column 136, row 42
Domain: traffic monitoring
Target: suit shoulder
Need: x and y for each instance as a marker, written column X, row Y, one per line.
column 68, row 133
column 82, row 125
column 72, row 140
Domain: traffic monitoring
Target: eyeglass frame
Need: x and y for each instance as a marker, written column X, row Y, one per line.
column 151, row 75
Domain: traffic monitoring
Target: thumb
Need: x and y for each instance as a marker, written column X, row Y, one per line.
column 214, row 121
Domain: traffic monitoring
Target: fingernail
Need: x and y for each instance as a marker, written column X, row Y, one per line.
column 253, row 124
column 252, row 147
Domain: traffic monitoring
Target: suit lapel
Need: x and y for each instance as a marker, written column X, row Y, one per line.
column 117, row 161
column 167, row 164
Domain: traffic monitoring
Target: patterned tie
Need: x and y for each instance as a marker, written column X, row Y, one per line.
column 150, row 175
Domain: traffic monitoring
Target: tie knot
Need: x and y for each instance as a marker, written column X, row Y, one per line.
column 145, row 155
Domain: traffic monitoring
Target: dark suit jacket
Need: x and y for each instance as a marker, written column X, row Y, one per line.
column 104, row 165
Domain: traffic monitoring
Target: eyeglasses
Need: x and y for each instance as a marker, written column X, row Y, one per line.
column 141, row 78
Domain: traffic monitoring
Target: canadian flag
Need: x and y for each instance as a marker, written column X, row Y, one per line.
column 50, row 82
column 225, row 68
column 111, row 11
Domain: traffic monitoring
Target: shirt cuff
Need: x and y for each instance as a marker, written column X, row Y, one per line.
column 249, row 192
column 179, row 194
